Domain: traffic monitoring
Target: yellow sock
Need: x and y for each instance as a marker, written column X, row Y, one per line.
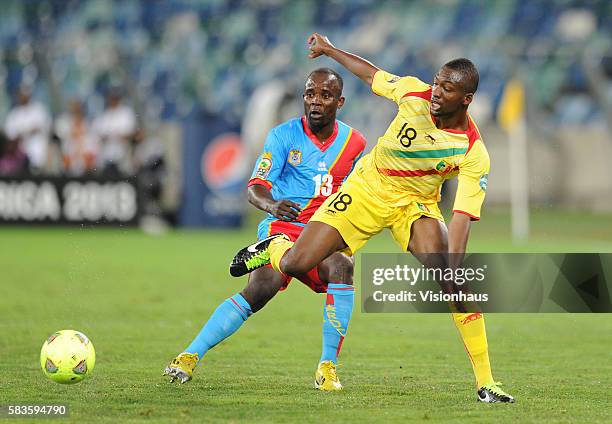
column 471, row 326
column 277, row 249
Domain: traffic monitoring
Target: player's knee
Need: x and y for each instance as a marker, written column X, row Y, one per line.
column 431, row 245
column 295, row 263
column 337, row 269
column 428, row 236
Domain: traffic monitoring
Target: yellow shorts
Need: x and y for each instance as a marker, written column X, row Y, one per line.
column 360, row 210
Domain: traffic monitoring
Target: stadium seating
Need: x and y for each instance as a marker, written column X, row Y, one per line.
column 181, row 55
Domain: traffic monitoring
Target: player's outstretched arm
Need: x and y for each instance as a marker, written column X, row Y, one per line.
column 260, row 197
column 363, row 69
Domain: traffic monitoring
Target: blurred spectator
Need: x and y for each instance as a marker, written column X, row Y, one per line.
column 114, row 130
column 13, row 160
column 148, row 150
column 149, row 161
column 29, row 123
column 79, row 147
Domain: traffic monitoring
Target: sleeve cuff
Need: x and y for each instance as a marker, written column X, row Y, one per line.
column 259, row 181
column 374, row 83
column 472, row 217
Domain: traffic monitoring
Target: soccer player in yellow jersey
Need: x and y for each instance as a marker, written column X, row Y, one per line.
column 397, row 186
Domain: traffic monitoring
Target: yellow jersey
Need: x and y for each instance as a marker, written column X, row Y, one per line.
column 414, row 157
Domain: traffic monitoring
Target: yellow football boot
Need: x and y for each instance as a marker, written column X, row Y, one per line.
column 181, row 368
column 326, row 378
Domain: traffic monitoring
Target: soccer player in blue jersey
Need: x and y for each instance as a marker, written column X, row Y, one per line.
column 305, row 160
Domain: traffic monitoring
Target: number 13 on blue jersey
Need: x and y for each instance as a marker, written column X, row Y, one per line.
column 324, row 185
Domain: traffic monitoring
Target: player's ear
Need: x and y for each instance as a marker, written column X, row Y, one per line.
column 340, row 102
column 467, row 99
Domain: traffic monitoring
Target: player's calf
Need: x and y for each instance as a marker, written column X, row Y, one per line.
column 337, row 269
column 263, row 285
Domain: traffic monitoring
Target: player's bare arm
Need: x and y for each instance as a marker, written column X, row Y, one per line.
column 260, row 197
column 458, row 234
column 363, row 69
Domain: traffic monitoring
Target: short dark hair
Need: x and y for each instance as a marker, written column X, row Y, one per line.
column 468, row 71
column 329, row 71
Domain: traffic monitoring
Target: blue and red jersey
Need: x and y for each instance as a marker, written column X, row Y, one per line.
column 296, row 166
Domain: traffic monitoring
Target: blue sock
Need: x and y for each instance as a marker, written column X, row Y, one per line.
column 336, row 316
column 227, row 318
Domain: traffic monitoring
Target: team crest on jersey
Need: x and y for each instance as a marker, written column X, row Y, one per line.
column 265, row 164
column 394, row 79
column 295, row 157
column 483, row 182
column 443, row 167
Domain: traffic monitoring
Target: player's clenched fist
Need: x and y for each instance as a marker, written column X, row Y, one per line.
column 319, row 44
column 285, row 210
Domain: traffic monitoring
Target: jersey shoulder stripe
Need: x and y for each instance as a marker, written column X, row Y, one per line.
column 352, row 146
column 472, row 133
column 425, row 95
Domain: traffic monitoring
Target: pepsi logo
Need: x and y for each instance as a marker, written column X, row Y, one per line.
column 223, row 166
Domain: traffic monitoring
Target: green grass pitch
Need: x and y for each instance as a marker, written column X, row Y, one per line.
column 142, row 298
